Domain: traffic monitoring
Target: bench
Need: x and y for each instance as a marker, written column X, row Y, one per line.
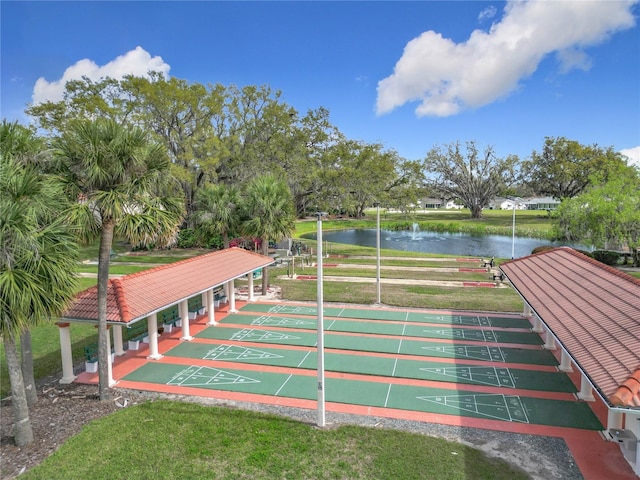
column 488, row 262
column 171, row 318
column 497, row 274
column 219, row 297
column 137, row 333
column 195, row 307
column 91, row 358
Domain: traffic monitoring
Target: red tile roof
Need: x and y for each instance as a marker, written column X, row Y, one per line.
column 593, row 310
column 137, row 295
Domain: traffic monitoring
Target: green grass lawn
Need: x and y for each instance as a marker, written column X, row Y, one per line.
column 171, row 440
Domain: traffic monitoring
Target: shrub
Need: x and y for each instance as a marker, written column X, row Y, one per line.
column 606, row 256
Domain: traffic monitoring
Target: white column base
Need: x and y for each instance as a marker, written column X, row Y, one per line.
column 155, row 357
column 586, row 392
column 550, row 341
column 565, row 362
column 537, row 325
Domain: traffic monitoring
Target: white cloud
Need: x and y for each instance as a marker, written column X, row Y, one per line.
column 447, row 77
column 487, row 13
column 135, row 62
column 633, row 154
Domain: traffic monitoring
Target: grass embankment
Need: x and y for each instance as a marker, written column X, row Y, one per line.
column 167, row 440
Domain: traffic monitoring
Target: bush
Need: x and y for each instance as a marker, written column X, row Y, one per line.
column 607, row 257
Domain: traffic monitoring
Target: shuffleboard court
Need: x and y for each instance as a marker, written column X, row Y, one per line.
column 389, row 315
column 383, row 345
column 380, row 366
column 508, row 408
column 388, row 328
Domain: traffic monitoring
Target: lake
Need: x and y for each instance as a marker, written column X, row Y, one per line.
column 463, row 244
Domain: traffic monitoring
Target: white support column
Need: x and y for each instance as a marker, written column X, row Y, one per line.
column 225, row 289
column 211, row 309
column 250, row 297
column 232, row 296
column 632, row 422
column 527, row 312
column 537, row 324
column 112, row 382
column 586, row 392
column 565, row 362
column 205, row 302
column 152, row 325
column 183, row 308
column 65, row 351
column 117, row 340
column 614, row 420
column 549, row 341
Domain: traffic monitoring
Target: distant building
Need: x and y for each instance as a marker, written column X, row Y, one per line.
column 542, row 203
column 432, row 203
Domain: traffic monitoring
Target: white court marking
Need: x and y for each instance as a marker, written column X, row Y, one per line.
column 201, row 376
column 234, row 352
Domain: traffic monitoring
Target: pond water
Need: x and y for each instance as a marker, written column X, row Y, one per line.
column 445, row 243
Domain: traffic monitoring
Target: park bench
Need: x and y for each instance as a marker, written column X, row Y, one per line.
column 219, row 297
column 497, row 274
column 488, row 263
column 195, row 307
column 137, row 333
column 91, row 358
column 171, row 318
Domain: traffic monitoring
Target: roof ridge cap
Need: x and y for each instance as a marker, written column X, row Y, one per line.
column 121, row 300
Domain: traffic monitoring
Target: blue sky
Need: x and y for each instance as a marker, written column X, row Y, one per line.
column 409, row 75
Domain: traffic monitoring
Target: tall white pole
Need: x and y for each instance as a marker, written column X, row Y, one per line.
column 378, row 300
column 513, row 231
column 321, row 414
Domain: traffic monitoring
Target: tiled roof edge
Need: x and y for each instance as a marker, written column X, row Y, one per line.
column 123, row 306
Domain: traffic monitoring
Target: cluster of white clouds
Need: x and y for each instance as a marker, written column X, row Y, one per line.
column 448, row 77
column 633, row 154
column 136, row 62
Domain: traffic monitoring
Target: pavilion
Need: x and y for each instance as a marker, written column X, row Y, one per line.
column 589, row 315
column 133, row 298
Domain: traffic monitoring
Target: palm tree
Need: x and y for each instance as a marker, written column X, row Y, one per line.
column 121, row 178
column 37, row 259
column 19, row 143
column 217, row 210
column 270, row 213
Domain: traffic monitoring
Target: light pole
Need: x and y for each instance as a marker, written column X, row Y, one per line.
column 320, row 303
column 513, row 230
column 378, row 299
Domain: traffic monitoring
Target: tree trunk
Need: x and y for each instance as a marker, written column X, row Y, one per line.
column 265, row 270
column 225, row 240
column 476, row 212
column 27, row 368
column 106, row 241
column 22, row 432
